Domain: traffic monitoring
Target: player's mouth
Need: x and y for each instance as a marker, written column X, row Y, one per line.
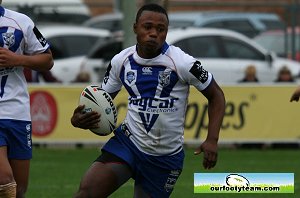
column 151, row 43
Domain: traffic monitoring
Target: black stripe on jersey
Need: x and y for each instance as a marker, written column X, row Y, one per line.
column 106, row 75
column 199, row 72
column 39, row 36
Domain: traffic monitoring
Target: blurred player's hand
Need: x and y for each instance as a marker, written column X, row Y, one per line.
column 209, row 149
column 86, row 120
column 295, row 96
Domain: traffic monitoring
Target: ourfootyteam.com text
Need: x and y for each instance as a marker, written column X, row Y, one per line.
column 243, row 188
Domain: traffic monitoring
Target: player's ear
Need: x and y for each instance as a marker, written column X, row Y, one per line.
column 134, row 28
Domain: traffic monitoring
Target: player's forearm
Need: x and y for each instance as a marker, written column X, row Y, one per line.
column 216, row 110
column 39, row 62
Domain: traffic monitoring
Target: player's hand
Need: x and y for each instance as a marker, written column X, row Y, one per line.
column 85, row 120
column 295, row 96
column 8, row 58
column 209, row 149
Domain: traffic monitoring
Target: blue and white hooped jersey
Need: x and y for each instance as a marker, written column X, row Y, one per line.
column 18, row 34
column 158, row 94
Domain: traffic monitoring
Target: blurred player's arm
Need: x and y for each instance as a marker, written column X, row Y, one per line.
column 38, row 62
column 216, row 110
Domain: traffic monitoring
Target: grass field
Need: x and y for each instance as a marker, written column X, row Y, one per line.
column 57, row 172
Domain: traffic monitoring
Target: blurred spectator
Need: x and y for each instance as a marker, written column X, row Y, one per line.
column 285, row 75
column 250, row 75
column 83, row 76
column 33, row 76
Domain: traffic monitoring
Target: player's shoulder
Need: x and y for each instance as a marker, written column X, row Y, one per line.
column 174, row 51
column 179, row 57
column 19, row 18
column 16, row 15
column 123, row 55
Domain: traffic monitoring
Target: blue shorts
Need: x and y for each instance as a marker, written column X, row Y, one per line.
column 156, row 174
column 16, row 135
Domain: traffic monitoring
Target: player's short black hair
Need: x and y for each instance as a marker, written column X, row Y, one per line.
column 151, row 7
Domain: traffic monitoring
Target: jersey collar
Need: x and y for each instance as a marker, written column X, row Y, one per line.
column 164, row 48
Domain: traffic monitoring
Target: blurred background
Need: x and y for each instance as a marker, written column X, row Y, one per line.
column 85, row 34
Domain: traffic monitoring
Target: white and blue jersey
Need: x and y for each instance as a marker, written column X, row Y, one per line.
column 158, row 92
column 18, row 34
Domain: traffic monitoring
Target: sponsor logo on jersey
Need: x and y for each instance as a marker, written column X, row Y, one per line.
column 39, row 36
column 199, row 72
column 6, row 70
column 147, row 70
column 164, row 78
column 151, row 108
column 8, row 39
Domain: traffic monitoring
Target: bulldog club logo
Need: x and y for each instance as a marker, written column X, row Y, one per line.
column 8, row 39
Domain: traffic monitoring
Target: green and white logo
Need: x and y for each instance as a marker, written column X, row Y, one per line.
column 244, row 183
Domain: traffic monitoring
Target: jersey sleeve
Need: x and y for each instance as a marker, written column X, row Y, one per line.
column 35, row 43
column 190, row 70
column 112, row 82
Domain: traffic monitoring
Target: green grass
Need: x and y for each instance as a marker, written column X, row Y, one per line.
column 57, row 172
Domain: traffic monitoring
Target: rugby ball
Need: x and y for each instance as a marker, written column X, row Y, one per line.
column 96, row 99
column 237, row 180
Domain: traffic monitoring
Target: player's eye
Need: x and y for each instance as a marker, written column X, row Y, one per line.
column 160, row 29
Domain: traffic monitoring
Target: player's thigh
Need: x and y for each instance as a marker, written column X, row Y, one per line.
column 21, row 173
column 6, row 175
column 105, row 178
column 139, row 192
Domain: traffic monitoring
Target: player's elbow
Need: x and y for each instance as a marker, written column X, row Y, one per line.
column 50, row 64
column 48, row 60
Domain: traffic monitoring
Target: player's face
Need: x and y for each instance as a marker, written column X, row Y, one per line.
column 151, row 31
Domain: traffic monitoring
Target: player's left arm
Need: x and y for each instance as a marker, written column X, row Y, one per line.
column 216, row 110
column 38, row 62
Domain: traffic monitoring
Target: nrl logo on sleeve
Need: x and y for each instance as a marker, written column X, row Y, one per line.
column 199, row 72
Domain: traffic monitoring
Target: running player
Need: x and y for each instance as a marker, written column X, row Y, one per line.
column 148, row 145
column 21, row 46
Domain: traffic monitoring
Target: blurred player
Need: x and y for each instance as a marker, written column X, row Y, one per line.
column 148, row 146
column 21, row 46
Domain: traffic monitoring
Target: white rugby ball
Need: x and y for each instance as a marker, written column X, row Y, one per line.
column 96, row 99
column 237, row 180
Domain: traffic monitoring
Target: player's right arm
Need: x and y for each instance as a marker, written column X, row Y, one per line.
column 39, row 62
